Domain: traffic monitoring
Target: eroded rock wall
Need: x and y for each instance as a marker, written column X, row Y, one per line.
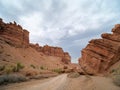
column 100, row 54
column 53, row 51
column 14, row 34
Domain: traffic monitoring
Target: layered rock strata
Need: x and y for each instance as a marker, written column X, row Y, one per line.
column 100, row 54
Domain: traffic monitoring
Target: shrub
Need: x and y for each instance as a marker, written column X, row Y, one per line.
column 116, row 80
column 19, row 66
column 73, row 75
column 42, row 67
column 14, row 69
column 58, row 70
column 32, row 66
column 8, row 70
column 11, row 78
column 2, row 67
column 115, row 71
column 112, row 71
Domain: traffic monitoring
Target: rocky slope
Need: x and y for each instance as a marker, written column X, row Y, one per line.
column 15, row 48
column 16, row 36
column 100, row 54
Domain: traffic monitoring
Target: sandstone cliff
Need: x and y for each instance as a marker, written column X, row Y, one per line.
column 100, row 54
column 53, row 51
column 14, row 34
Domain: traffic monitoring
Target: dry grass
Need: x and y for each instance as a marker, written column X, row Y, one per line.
column 116, row 80
column 116, row 75
column 11, row 78
column 57, row 70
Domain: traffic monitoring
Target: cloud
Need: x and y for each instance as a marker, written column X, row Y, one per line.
column 66, row 23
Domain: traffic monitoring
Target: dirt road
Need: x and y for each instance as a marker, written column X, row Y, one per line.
column 62, row 82
column 48, row 84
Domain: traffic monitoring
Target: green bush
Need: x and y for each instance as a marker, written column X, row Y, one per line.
column 13, row 68
column 18, row 67
column 32, row 66
column 58, row 70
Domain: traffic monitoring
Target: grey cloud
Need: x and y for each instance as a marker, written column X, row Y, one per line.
column 66, row 23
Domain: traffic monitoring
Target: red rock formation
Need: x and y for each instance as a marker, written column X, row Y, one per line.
column 18, row 37
column 100, row 54
column 66, row 58
column 53, row 51
column 14, row 34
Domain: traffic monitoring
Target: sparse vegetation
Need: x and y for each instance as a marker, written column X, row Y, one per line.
column 116, row 80
column 57, row 70
column 32, row 66
column 2, row 67
column 8, row 70
column 112, row 71
column 12, row 68
column 41, row 67
column 11, row 78
column 116, row 76
column 115, row 71
column 18, row 67
column 73, row 75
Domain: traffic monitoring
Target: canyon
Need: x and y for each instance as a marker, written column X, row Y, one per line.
column 15, row 48
column 97, row 57
column 20, row 59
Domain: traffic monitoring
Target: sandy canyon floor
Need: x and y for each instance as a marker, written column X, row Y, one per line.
column 62, row 82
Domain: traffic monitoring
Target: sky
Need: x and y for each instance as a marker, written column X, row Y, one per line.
column 69, row 24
